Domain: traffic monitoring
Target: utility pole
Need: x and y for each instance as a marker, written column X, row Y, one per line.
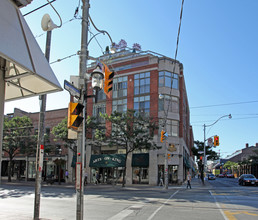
column 40, row 145
column 166, row 166
column 82, row 131
column 2, row 96
column 204, row 146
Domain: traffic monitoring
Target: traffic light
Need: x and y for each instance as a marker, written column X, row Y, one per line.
column 108, row 84
column 162, row 136
column 200, row 158
column 74, row 118
column 216, row 140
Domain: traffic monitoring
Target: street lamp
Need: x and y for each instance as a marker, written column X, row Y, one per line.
column 204, row 130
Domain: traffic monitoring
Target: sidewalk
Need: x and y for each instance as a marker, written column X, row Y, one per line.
column 195, row 183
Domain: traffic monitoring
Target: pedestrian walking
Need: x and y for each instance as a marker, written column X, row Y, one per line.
column 85, row 178
column 161, row 183
column 66, row 175
column 97, row 178
column 189, row 180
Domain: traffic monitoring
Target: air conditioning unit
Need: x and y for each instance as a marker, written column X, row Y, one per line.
column 22, row 3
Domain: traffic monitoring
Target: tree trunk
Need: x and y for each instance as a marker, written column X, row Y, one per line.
column 59, row 175
column 9, row 170
column 124, row 173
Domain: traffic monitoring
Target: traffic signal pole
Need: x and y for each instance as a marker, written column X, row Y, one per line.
column 81, row 144
column 204, row 140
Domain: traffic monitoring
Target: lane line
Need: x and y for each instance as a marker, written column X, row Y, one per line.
column 125, row 213
column 218, row 205
column 154, row 213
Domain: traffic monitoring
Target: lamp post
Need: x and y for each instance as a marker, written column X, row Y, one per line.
column 204, row 141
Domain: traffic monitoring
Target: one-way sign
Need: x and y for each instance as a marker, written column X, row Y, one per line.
column 72, row 89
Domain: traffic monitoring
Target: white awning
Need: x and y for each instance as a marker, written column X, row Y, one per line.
column 27, row 72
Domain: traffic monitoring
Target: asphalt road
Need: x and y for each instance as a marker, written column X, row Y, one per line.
column 218, row 199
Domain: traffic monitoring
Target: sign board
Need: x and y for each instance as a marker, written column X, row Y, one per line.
column 210, row 142
column 200, row 152
column 72, row 89
column 72, row 135
column 171, row 148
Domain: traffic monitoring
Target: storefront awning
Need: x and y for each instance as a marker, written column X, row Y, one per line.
column 27, row 72
column 107, row 160
column 140, row 160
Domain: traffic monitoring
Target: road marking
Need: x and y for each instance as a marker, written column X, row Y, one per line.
column 231, row 215
column 121, row 215
column 154, row 213
column 217, row 204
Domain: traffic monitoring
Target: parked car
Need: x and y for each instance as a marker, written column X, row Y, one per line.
column 221, row 175
column 211, row 177
column 230, row 175
column 247, row 179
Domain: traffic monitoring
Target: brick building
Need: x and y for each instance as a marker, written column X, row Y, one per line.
column 24, row 165
column 143, row 82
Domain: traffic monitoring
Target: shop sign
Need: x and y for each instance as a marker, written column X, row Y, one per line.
column 107, row 160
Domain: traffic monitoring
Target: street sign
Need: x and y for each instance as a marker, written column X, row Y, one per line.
column 72, row 89
column 200, row 152
column 171, row 148
column 210, row 142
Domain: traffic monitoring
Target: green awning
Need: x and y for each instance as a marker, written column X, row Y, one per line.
column 107, row 160
column 140, row 160
column 73, row 164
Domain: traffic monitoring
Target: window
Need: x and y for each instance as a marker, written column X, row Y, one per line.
column 142, row 83
column 169, row 103
column 142, row 105
column 119, row 105
column 166, row 79
column 101, row 96
column 172, row 127
column 120, row 87
column 99, row 108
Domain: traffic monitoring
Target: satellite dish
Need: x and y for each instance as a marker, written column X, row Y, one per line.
column 47, row 24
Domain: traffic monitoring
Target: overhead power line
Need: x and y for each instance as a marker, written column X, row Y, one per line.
column 233, row 103
column 177, row 43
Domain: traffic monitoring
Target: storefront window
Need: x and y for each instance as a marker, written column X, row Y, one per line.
column 172, row 173
column 140, row 175
column 32, row 169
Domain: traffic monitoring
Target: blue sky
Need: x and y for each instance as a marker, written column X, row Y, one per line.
column 218, row 48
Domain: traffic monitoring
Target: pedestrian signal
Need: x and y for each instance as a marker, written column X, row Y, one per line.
column 74, row 118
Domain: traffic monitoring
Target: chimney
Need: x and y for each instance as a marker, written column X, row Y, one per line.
column 246, row 145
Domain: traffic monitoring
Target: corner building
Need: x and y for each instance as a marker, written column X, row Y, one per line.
column 154, row 85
